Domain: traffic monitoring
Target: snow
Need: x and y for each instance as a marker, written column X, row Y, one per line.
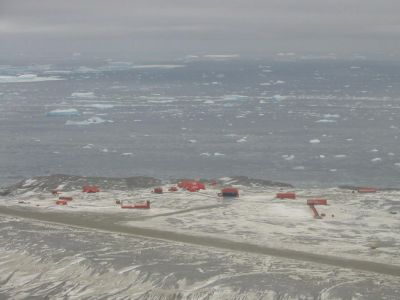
column 353, row 221
column 63, row 112
column 29, row 182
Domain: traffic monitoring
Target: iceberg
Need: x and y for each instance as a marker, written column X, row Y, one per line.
column 63, row 112
column 101, row 106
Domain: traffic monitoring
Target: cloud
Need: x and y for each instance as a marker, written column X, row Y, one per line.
column 209, row 25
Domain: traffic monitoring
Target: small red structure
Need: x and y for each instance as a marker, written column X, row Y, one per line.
column 61, row 202
column 158, row 190
column 317, row 202
column 365, row 190
column 312, row 202
column 65, row 198
column 287, row 195
column 191, row 186
column 90, row 189
column 229, row 192
column 173, row 189
column 141, row 205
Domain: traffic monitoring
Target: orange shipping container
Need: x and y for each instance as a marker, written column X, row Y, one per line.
column 287, row 195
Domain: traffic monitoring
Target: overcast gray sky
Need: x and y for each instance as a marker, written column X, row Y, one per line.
column 164, row 29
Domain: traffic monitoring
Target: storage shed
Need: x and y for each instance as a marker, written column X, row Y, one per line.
column 229, row 192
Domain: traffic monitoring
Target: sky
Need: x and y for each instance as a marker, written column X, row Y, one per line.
column 168, row 29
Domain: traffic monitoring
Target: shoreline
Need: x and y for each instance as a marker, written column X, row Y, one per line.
column 51, row 181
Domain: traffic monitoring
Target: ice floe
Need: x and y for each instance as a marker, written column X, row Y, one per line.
column 325, row 121
column 157, row 66
column 288, row 157
column 298, row 168
column 27, row 78
column 376, row 159
column 219, row 154
column 235, row 97
column 206, row 154
column 242, row 140
column 336, row 116
column 85, row 95
column 278, row 97
column 220, row 56
column 63, row 112
column 88, row 146
column 127, row 154
column 101, row 106
column 314, row 141
column 90, row 121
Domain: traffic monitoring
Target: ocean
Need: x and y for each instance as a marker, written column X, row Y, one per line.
column 307, row 122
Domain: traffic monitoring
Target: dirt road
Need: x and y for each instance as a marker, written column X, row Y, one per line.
column 112, row 223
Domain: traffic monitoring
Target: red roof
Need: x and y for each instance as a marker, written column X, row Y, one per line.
column 90, row 189
column 191, row 186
